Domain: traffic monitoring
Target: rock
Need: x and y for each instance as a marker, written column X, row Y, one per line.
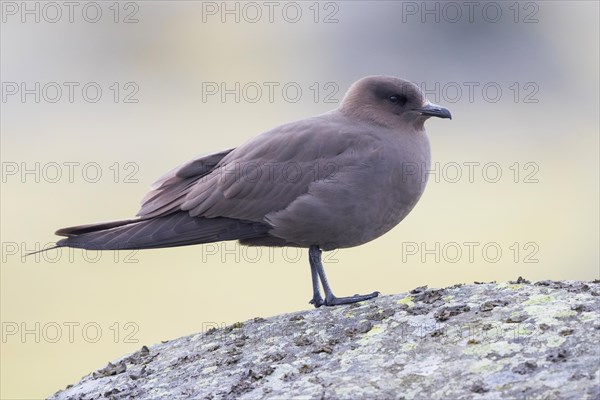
column 486, row 340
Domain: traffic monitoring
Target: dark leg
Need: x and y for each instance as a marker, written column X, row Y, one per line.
column 314, row 259
column 314, row 254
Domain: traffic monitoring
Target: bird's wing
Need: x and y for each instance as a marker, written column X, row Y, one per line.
column 267, row 173
column 168, row 192
column 271, row 171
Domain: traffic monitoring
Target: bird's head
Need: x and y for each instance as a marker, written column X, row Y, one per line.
column 391, row 102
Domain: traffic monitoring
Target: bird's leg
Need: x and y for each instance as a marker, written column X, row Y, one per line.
column 314, row 259
column 314, row 254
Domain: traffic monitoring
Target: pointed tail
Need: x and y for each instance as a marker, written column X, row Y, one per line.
column 177, row 229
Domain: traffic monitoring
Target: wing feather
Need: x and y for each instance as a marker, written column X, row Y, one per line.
column 269, row 172
column 168, row 192
column 263, row 176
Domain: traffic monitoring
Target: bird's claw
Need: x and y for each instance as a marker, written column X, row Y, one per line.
column 335, row 301
column 317, row 301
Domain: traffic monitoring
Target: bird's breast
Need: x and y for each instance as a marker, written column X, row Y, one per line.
column 401, row 180
column 364, row 199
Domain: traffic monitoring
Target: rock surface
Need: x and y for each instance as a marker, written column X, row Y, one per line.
column 483, row 341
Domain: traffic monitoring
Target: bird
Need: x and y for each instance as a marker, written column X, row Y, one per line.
column 336, row 180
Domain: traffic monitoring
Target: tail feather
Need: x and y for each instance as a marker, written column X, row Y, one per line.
column 81, row 229
column 178, row 229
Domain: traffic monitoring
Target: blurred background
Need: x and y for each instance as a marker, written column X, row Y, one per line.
column 100, row 99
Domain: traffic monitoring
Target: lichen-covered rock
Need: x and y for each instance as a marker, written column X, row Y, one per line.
column 482, row 341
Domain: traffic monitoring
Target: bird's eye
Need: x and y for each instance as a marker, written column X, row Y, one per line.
column 397, row 99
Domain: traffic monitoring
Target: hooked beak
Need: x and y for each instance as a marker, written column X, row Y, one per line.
column 434, row 110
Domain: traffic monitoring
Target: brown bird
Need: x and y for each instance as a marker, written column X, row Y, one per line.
column 332, row 181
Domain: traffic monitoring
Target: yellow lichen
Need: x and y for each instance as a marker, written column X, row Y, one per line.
column 555, row 341
column 538, row 299
column 565, row 313
column 408, row 300
column 409, row 346
column 501, row 348
column 511, row 286
column 375, row 330
column 485, row 366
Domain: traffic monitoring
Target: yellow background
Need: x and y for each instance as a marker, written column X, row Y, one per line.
column 169, row 53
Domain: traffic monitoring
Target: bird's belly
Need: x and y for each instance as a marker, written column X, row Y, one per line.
column 353, row 227
column 365, row 211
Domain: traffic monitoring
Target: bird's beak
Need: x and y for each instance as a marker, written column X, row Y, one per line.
column 434, row 110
